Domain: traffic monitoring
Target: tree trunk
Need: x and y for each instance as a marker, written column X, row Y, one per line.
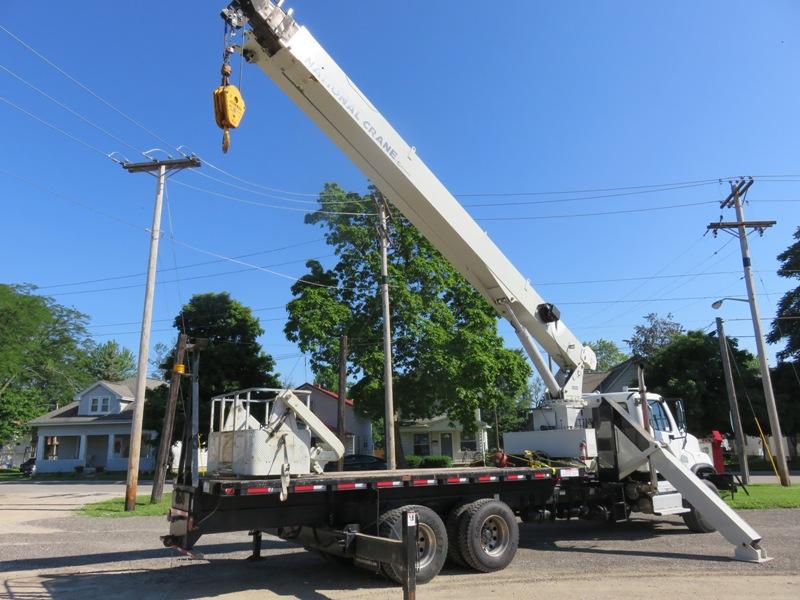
column 399, row 455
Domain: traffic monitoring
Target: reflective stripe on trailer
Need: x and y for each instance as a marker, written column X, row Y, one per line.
column 456, row 480
column 486, row 478
column 389, row 484
column 309, row 488
column 251, row 491
column 420, row 482
column 541, row 475
column 514, row 477
column 569, row 472
column 351, row 486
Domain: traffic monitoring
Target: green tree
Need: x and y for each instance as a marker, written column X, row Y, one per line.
column 448, row 357
column 653, row 334
column 786, row 385
column 42, row 357
column 785, row 329
column 110, row 362
column 608, row 354
column 690, row 367
column 233, row 359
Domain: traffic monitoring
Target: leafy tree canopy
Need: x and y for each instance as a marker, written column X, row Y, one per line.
column 110, row 362
column 608, row 354
column 788, row 330
column 233, row 359
column 653, row 334
column 42, row 357
column 448, row 357
column 690, row 367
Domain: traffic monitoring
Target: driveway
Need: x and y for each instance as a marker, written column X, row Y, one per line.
column 50, row 553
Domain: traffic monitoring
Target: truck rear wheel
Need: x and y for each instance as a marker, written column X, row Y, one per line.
column 431, row 541
column 488, row 535
column 451, row 525
column 694, row 520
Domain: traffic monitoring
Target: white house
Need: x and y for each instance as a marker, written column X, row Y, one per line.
column 443, row 436
column 358, row 429
column 93, row 431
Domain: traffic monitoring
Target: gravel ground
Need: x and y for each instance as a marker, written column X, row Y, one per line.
column 46, row 552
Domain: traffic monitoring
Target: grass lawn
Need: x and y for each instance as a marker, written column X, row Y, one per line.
column 10, row 475
column 116, row 508
column 767, row 495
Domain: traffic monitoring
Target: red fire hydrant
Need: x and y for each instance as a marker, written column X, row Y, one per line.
column 716, row 451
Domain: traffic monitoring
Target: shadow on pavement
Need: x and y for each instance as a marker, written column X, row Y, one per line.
column 301, row 575
column 80, row 560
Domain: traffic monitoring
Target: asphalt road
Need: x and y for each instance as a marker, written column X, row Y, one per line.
column 46, row 552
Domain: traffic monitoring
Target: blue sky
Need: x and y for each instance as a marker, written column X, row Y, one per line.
column 514, row 97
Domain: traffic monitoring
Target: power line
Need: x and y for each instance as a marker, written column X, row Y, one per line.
column 596, row 214
column 84, row 87
column 189, row 266
column 177, row 280
column 70, row 110
column 55, row 128
column 73, row 201
column 275, row 206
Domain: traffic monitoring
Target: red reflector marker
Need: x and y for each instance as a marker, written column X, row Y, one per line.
column 451, row 480
column 309, row 488
column 351, row 486
column 259, row 490
column 229, row 491
column 487, row 478
column 418, row 482
column 388, row 484
column 515, row 477
column 540, row 475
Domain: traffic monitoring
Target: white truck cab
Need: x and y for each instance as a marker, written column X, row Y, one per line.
column 566, row 430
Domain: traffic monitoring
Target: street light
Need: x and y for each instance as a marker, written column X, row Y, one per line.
column 715, row 305
column 766, row 380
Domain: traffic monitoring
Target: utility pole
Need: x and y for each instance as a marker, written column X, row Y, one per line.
column 161, row 167
column 383, row 234
column 165, row 443
column 341, row 429
column 739, row 228
column 734, row 405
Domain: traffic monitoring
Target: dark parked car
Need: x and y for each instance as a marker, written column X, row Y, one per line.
column 359, row 462
column 28, row 468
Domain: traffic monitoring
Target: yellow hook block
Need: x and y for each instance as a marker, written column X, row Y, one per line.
column 229, row 109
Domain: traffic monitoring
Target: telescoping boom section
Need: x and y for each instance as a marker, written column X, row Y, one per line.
column 304, row 71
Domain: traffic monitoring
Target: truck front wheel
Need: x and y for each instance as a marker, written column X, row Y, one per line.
column 488, row 535
column 431, row 541
column 694, row 520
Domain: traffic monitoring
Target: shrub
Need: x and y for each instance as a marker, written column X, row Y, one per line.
column 79, row 469
column 436, row 462
column 414, row 461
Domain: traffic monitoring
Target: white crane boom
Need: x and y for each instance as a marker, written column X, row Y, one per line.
column 304, row 71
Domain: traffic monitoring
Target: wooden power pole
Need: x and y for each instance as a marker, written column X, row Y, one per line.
column 739, row 229
column 165, row 443
column 383, row 233
column 734, row 405
column 341, row 422
column 161, row 167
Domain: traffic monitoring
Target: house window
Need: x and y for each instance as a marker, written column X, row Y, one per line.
column 104, row 405
column 422, row 444
column 95, row 405
column 122, row 444
column 468, row 442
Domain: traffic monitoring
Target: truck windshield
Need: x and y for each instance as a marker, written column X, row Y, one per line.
column 659, row 420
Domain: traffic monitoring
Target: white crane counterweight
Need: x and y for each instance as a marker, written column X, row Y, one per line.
column 304, row 71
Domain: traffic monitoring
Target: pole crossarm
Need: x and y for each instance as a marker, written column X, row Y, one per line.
column 761, row 225
column 169, row 164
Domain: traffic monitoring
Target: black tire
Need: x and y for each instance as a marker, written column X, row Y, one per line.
column 694, row 520
column 451, row 525
column 431, row 541
column 488, row 535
